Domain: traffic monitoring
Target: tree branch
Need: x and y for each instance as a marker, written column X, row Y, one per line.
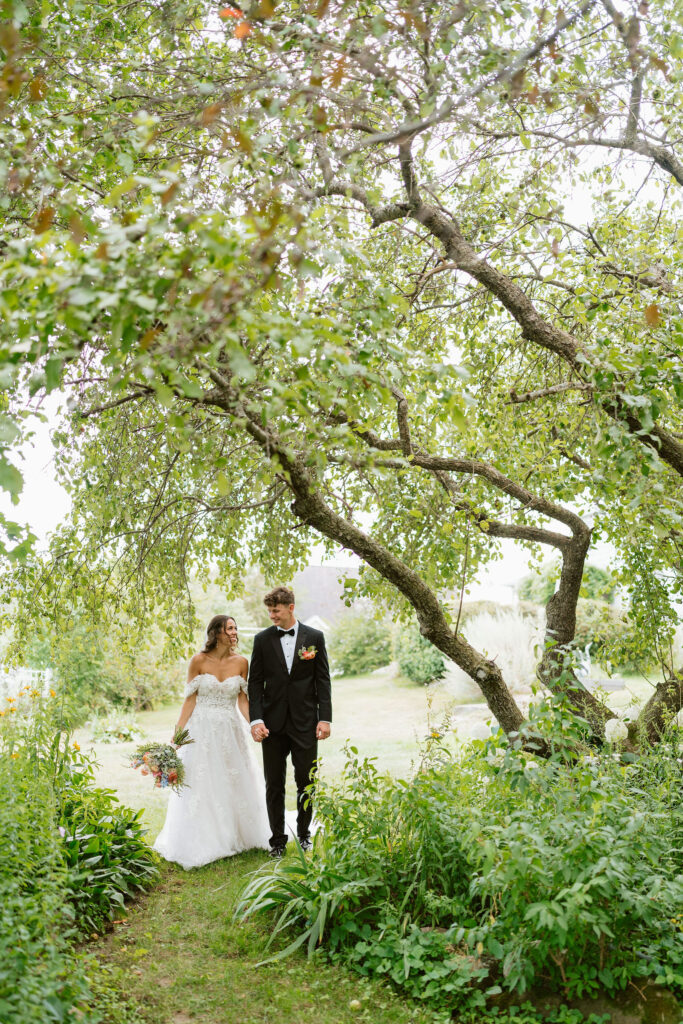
column 555, row 389
column 403, row 423
column 310, row 507
column 631, row 129
column 410, row 129
column 97, row 409
column 656, row 716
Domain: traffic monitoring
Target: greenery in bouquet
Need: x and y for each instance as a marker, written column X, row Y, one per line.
column 161, row 760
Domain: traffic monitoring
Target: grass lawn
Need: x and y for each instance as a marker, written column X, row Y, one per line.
column 180, row 958
column 383, row 718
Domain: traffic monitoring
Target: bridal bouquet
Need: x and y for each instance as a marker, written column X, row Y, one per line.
column 162, row 761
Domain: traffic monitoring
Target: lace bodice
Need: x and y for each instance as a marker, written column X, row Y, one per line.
column 214, row 693
column 221, row 809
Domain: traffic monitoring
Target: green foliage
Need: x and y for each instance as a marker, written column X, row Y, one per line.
column 493, row 872
column 100, row 669
column 418, row 660
column 255, row 588
column 116, row 727
column 527, row 1013
column 69, row 854
column 108, row 859
column 40, row 979
column 599, row 627
column 258, row 282
column 360, row 643
column 597, row 585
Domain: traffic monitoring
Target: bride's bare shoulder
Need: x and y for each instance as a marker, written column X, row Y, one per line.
column 196, row 662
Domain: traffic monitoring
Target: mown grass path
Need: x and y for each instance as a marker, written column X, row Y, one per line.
column 182, row 959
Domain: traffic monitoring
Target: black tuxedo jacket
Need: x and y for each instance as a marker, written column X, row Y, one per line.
column 290, row 702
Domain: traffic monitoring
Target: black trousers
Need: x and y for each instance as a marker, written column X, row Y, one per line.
column 276, row 748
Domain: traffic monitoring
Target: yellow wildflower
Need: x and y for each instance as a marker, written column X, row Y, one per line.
column 15, row 755
column 52, row 693
column 76, row 746
column 2, row 714
column 10, row 700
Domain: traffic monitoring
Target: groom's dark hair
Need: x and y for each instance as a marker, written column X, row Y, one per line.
column 279, row 595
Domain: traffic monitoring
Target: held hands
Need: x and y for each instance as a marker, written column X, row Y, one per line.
column 259, row 732
column 323, row 731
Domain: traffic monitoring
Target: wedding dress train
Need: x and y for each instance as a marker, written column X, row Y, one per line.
column 221, row 810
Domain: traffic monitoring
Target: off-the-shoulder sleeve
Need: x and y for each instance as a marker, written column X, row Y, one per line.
column 244, row 686
column 191, row 687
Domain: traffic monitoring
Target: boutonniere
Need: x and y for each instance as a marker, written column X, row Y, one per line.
column 307, row 653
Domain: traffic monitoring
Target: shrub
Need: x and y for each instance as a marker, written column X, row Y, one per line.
column 493, row 871
column 107, row 857
column 47, row 794
column 39, row 977
column 115, row 727
column 98, row 671
column 360, row 643
column 418, row 660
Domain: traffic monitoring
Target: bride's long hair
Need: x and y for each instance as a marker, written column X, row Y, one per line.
column 214, row 630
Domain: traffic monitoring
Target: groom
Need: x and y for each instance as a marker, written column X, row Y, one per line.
column 290, row 709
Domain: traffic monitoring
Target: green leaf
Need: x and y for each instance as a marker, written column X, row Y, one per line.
column 9, row 431
column 10, row 478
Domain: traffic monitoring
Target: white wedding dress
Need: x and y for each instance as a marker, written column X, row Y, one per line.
column 221, row 809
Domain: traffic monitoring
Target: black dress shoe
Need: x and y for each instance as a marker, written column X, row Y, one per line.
column 276, row 852
column 306, row 843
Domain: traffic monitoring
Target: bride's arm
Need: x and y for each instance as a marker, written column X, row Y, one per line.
column 242, row 699
column 186, row 711
column 243, row 705
column 191, row 699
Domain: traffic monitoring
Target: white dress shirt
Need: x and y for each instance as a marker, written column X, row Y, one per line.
column 289, row 644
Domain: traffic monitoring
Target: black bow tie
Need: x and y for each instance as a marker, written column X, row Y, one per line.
column 285, row 632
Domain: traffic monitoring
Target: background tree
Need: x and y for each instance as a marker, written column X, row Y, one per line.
column 360, row 642
column 597, row 584
column 314, row 268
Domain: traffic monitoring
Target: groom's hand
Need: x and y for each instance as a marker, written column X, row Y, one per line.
column 259, row 732
column 322, row 731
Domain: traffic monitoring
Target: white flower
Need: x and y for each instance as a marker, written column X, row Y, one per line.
column 479, row 731
column 615, row 730
column 496, row 758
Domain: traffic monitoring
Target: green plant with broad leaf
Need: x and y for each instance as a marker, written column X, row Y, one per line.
column 495, row 871
column 70, row 855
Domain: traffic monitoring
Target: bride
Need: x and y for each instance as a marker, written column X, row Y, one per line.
column 222, row 808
